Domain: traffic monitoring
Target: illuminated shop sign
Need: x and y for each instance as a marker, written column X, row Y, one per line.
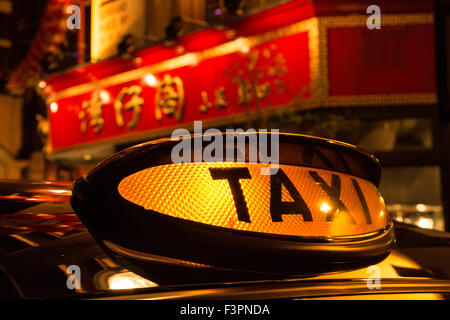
column 280, row 59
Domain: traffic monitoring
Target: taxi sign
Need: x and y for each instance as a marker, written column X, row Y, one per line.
column 296, row 201
column 318, row 210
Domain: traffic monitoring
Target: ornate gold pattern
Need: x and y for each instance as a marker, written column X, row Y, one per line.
column 381, row 99
column 317, row 52
column 260, row 76
column 386, row 20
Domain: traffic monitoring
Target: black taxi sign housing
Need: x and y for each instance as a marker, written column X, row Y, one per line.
column 217, row 221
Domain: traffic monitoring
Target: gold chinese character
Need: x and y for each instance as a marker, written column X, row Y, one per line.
column 220, row 100
column 262, row 90
column 135, row 103
column 206, row 103
column 169, row 98
column 93, row 109
column 244, row 92
column 260, row 76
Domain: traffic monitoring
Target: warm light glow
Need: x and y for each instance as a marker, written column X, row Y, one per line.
column 128, row 280
column 325, row 207
column 191, row 59
column 425, row 223
column 245, row 49
column 150, row 80
column 53, row 107
column 421, row 207
column 104, row 95
column 243, row 45
column 42, row 84
column 87, row 156
column 61, row 191
column 381, row 213
column 179, row 50
column 229, row 34
column 196, row 196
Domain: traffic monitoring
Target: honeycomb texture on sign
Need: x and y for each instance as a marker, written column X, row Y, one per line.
column 188, row 191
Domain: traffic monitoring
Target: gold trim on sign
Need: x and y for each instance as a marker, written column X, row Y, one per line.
column 382, row 99
column 386, row 20
column 192, row 58
column 318, row 65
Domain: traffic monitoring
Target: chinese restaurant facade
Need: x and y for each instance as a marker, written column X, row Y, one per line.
column 309, row 67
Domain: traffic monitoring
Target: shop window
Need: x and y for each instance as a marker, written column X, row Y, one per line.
column 405, row 134
column 413, row 195
column 409, row 134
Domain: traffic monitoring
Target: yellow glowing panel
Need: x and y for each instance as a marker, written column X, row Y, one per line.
column 342, row 205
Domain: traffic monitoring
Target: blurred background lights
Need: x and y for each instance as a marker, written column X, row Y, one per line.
column 179, row 49
column 426, row 223
column 325, row 207
column 245, row 49
column 150, row 80
column 243, row 45
column 128, row 280
column 104, row 96
column 42, row 84
column 53, row 107
column 421, row 207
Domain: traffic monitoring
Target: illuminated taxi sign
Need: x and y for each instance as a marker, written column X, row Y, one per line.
column 317, row 211
column 296, row 201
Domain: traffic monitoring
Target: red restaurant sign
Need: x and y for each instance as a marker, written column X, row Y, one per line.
column 266, row 61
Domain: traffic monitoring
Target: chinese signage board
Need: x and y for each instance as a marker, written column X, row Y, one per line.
column 208, row 85
column 283, row 58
